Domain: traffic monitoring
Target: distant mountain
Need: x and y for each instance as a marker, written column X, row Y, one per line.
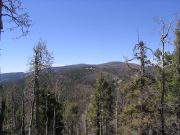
column 10, row 77
column 111, row 69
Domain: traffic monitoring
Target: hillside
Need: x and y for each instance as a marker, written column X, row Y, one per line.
column 76, row 72
column 77, row 81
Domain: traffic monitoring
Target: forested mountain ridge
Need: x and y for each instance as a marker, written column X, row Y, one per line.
column 10, row 77
column 77, row 81
column 116, row 69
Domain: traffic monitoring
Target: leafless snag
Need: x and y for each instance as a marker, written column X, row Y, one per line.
column 140, row 53
column 23, row 116
column 165, row 30
column 42, row 60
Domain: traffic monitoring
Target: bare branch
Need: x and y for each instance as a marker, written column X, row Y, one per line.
column 11, row 9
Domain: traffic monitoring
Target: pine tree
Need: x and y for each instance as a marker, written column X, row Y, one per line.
column 71, row 118
column 99, row 112
column 177, row 74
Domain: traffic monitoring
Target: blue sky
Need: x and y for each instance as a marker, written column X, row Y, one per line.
column 86, row 31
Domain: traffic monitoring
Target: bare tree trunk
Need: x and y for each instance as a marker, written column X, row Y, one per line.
column 142, row 69
column 100, row 111
column 54, row 122
column 14, row 115
column 47, row 115
column 84, row 124
column 36, row 90
column 116, row 110
column 142, row 72
column 163, row 41
column 102, row 119
column 163, row 88
column 32, row 115
column 23, row 116
column 116, row 119
column 3, row 105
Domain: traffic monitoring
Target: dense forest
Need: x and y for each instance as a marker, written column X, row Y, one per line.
column 116, row 98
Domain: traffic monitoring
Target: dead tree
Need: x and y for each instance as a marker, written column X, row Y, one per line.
column 2, row 113
column 23, row 116
column 36, row 88
column 47, row 119
column 54, row 121
column 42, row 60
column 164, row 35
column 13, row 113
column 117, row 84
column 141, row 48
column 140, row 53
column 32, row 114
column 12, row 10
